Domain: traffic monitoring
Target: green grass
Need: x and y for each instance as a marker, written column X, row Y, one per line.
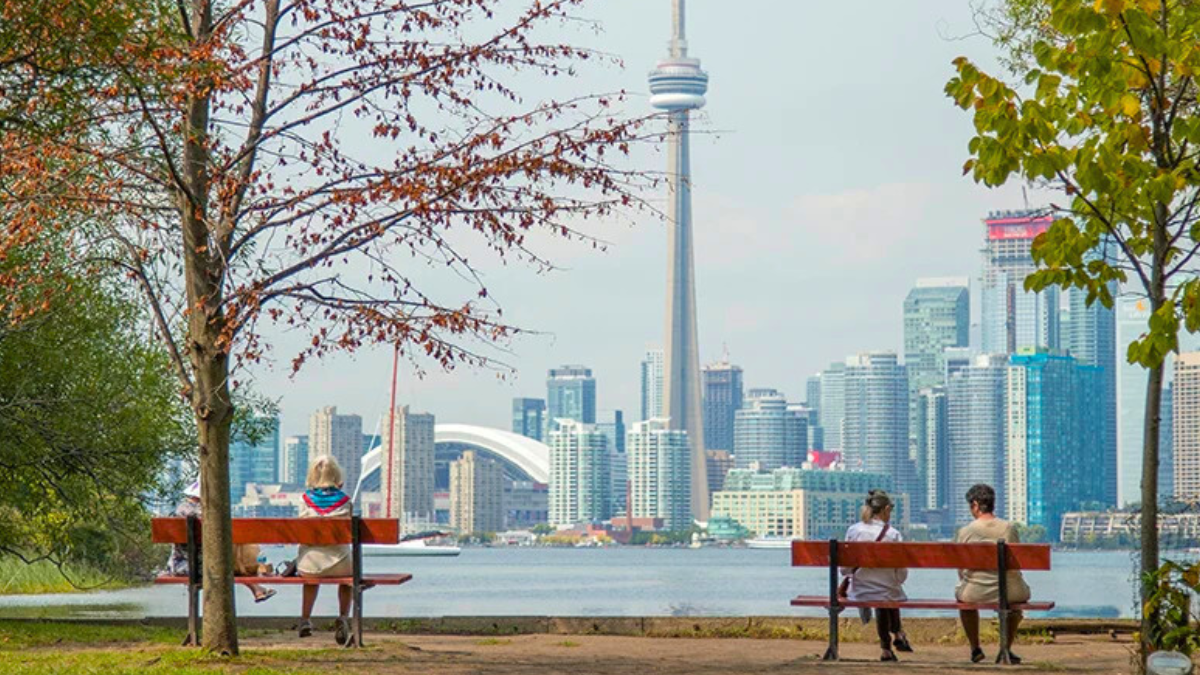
column 17, row 578
column 145, row 660
column 567, row 643
column 16, row 635
column 490, row 642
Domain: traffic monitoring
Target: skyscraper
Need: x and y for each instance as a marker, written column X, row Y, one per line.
column 615, row 434
column 254, row 462
column 570, row 395
column 408, row 480
column 652, row 384
column 975, row 404
column 932, row 435
column 660, row 469
column 1132, row 317
column 722, row 398
column 476, row 494
column 812, row 393
column 339, row 435
column 293, row 463
column 875, row 430
column 1053, row 444
column 580, row 484
column 1185, row 413
column 767, row 434
column 1166, row 447
column 833, row 405
column 529, row 417
column 937, row 315
column 1013, row 318
column 678, row 86
column 1091, row 339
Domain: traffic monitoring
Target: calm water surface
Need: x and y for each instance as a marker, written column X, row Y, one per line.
column 607, row 582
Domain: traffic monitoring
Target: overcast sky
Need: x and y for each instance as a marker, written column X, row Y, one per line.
column 830, row 180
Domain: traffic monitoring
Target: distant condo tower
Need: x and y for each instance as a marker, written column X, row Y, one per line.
column 678, row 86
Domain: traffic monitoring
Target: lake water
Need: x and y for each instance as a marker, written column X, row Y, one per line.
column 619, row 581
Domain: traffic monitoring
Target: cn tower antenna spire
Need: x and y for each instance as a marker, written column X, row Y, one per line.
column 679, row 39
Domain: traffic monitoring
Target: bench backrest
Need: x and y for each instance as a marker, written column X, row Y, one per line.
column 920, row 555
column 309, row 531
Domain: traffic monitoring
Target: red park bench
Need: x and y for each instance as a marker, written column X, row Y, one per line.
column 1000, row 557
column 309, row 531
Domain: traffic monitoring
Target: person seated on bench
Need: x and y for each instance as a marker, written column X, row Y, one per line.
column 878, row 585
column 983, row 586
column 245, row 556
column 325, row 499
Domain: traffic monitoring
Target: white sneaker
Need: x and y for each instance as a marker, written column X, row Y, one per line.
column 342, row 633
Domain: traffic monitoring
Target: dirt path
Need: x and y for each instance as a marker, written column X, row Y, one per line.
column 602, row 655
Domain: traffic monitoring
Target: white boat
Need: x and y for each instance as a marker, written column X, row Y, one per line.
column 412, row 547
column 769, row 542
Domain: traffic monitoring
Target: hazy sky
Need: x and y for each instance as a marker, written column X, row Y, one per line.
column 829, row 182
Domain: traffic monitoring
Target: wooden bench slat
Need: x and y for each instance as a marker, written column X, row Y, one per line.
column 377, row 580
column 823, row 601
column 309, row 531
column 920, row 555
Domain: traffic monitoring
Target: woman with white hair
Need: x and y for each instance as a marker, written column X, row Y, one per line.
column 325, row 499
column 878, row 584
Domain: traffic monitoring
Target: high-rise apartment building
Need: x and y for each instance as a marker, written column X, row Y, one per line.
column 975, row 422
column 722, row 398
column 570, row 395
column 1013, row 318
column 340, row 436
column 529, row 417
column 293, row 462
column 932, row 436
column 1166, row 446
column 1185, row 412
column 833, row 405
column 812, row 422
column 615, row 433
column 875, row 427
column 812, row 393
column 408, row 479
column 937, row 316
column 955, row 359
column 652, row 384
column 767, row 434
column 255, row 462
column 1091, row 338
column 476, row 494
column 1053, row 447
column 580, row 480
column 660, row 469
column 719, row 464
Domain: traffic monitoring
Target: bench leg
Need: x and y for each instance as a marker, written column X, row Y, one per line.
column 831, row 654
column 1004, row 657
column 193, row 636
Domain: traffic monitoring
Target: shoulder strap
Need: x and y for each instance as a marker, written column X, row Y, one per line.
column 883, row 532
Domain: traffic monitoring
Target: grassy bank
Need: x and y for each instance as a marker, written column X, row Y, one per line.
column 17, row 578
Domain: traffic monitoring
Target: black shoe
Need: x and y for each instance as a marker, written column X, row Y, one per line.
column 977, row 655
column 900, row 642
column 888, row 655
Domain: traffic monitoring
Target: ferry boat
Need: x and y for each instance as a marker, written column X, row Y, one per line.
column 412, row 545
column 769, row 542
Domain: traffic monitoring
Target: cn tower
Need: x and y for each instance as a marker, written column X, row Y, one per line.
column 678, row 86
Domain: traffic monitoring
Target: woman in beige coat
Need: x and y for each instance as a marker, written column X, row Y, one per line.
column 325, row 499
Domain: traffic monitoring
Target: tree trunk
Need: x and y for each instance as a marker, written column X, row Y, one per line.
column 214, row 420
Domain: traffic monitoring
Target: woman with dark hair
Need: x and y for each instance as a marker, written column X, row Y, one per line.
column 983, row 586
column 878, row 585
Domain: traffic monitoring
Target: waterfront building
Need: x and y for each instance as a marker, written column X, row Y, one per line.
column 677, row 86
column 932, row 436
column 254, row 461
column 1091, row 339
column 767, row 434
column 652, row 384
column 476, row 494
column 615, row 433
column 570, row 395
column 875, row 426
column 719, row 464
column 529, row 417
column 293, row 461
column 1123, row 528
column 1013, row 318
column 340, row 436
column 408, row 481
column 800, row 503
column 1185, row 424
column 815, row 439
column 833, row 405
column 1166, row 447
column 660, row 473
column 1132, row 317
column 723, row 397
column 526, row 504
column 580, row 480
column 1052, row 461
column 975, row 422
column 812, row 401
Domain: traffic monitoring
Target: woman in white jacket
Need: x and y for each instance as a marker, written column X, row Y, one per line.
column 325, row 499
column 879, row 585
